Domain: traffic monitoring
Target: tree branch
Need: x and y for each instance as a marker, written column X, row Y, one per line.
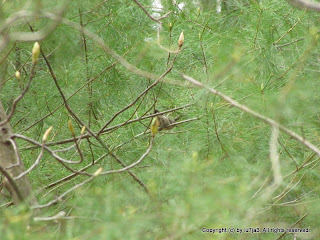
column 259, row 116
column 309, row 5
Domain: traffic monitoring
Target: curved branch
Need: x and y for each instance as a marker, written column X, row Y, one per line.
column 55, row 156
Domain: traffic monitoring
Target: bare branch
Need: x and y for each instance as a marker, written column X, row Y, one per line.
column 58, row 216
column 61, row 160
column 259, row 116
column 307, row 4
column 274, row 156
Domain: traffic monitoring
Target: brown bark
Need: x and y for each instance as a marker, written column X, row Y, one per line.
column 20, row 189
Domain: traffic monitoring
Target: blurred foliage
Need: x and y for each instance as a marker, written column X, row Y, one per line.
column 264, row 54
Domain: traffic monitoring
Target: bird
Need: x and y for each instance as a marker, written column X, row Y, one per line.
column 165, row 122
